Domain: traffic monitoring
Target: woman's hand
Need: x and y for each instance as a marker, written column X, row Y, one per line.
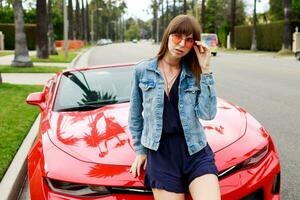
column 140, row 161
column 203, row 54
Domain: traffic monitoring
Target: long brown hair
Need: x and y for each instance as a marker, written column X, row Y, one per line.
column 183, row 24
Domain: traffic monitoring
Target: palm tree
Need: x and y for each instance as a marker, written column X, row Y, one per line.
column 203, row 15
column 52, row 49
column 42, row 29
column 162, row 26
column 87, row 21
column 254, row 43
column 84, row 33
column 70, row 18
column 232, row 24
column 287, row 33
column 21, row 58
column 78, row 27
column 174, row 8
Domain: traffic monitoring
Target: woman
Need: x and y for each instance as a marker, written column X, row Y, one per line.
column 169, row 94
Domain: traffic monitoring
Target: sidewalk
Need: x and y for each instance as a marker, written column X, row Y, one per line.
column 7, row 60
column 26, row 78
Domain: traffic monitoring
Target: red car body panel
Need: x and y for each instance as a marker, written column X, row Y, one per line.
column 94, row 148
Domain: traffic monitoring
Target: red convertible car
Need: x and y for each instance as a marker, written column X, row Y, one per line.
column 84, row 149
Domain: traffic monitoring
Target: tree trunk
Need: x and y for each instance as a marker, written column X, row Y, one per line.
column 253, row 44
column 184, row 7
column 155, row 21
column 70, row 19
column 78, row 28
column 84, row 36
column 174, row 8
column 167, row 12
column 203, row 15
column 51, row 41
column 42, row 29
column 21, row 58
column 232, row 24
column 162, row 27
column 87, row 19
column 0, row 79
column 287, row 33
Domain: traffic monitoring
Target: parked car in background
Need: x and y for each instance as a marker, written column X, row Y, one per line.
column 134, row 40
column 109, row 41
column 211, row 40
column 84, row 149
column 102, row 42
column 297, row 54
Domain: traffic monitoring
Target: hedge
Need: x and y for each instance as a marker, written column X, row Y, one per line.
column 9, row 35
column 269, row 36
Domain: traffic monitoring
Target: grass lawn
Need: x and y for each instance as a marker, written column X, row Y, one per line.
column 56, row 58
column 5, row 53
column 35, row 69
column 16, row 119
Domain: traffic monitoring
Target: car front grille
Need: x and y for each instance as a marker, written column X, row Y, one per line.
column 257, row 195
column 127, row 190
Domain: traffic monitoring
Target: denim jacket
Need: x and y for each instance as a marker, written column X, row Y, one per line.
column 147, row 101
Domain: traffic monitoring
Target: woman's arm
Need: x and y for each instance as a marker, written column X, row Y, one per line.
column 135, row 119
column 206, row 102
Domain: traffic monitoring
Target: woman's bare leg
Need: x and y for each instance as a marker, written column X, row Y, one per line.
column 160, row 194
column 205, row 187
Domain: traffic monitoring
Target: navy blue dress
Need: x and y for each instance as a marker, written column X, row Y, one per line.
column 171, row 167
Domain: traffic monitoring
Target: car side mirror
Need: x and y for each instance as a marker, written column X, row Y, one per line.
column 37, row 98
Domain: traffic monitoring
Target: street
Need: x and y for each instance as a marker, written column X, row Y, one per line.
column 268, row 87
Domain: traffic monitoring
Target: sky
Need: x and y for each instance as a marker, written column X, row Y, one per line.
column 141, row 8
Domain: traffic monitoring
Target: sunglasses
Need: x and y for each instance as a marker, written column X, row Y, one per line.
column 177, row 38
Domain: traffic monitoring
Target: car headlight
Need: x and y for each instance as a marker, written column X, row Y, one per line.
column 76, row 189
column 256, row 158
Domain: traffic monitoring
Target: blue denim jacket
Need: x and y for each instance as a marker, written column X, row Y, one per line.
column 147, row 101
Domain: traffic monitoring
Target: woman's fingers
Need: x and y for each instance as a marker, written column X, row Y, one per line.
column 138, row 170
column 145, row 164
column 136, row 166
column 133, row 169
column 202, row 47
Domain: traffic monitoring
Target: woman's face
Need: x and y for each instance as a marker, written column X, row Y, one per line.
column 179, row 44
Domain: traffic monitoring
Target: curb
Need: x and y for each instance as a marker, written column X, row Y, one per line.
column 13, row 180
column 83, row 62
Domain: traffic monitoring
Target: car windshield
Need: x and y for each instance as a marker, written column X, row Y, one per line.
column 94, row 88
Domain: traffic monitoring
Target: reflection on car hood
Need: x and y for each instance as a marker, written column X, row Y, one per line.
column 102, row 135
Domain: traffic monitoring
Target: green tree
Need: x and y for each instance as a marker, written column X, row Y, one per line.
column 133, row 32
column 276, row 10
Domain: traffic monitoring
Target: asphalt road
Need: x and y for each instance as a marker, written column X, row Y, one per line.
column 266, row 86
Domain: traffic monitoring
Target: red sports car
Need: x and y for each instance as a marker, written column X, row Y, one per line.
column 84, row 148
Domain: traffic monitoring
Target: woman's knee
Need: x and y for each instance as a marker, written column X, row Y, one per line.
column 205, row 187
column 160, row 194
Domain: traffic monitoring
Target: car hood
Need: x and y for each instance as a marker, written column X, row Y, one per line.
column 102, row 136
